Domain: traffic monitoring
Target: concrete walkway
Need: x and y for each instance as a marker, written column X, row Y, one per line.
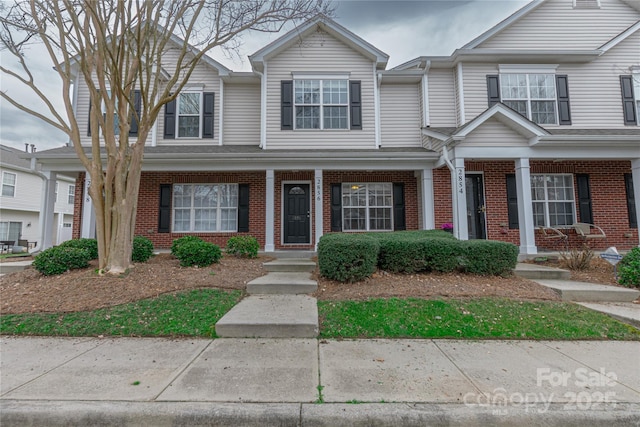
column 127, row 381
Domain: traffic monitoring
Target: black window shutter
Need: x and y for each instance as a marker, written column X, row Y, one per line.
column 399, row 218
column 631, row 200
column 164, row 213
column 286, row 105
column 628, row 101
column 564, row 109
column 584, row 198
column 355, row 104
column 336, row 207
column 512, row 202
column 243, row 208
column 137, row 104
column 493, row 89
column 170, row 120
column 207, row 115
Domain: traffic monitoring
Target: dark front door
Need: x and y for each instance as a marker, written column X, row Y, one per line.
column 296, row 213
column 475, row 206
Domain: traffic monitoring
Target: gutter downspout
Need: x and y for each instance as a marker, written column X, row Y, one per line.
column 461, row 94
column 376, row 105
column 43, row 206
column 263, row 107
column 221, row 113
column 426, row 119
column 452, row 170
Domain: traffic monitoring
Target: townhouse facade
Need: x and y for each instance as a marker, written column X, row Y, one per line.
column 532, row 125
column 21, row 201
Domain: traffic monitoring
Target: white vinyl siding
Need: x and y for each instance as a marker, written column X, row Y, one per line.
column 442, row 98
column 367, row 206
column 28, row 189
column 241, row 114
column 205, row 207
column 557, row 25
column 323, row 54
column 553, row 200
column 493, row 133
column 400, row 117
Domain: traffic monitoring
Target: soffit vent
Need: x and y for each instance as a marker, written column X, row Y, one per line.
column 586, row 4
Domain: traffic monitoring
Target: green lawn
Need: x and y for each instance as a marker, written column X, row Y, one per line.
column 473, row 318
column 193, row 313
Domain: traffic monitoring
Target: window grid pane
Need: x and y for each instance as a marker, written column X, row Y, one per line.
column 332, row 95
column 553, row 200
column 205, row 207
column 367, row 206
column 531, row 95
column 189, row 115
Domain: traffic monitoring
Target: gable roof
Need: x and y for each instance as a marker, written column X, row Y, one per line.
column 328, row 25
column 12, row 157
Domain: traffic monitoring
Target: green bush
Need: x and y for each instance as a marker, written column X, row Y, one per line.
column 629, row 269
column 488, row 257
column 198, row 253
column 414, row 251
column 347, row 257
column 243, row 246
column 182, row 240
column 90, row 245
column 59, row 259
column 142, row 249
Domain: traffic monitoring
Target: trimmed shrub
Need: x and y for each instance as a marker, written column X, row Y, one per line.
column 198, row 253
column 182, row 240
column 243, row 246
column 59, row 259
column 629, row 269
column 406, row 255
column 90, row 245
column 487, row 257
column 347, row 257
column 142, row 249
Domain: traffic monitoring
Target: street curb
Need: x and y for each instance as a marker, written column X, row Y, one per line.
column 117, row 413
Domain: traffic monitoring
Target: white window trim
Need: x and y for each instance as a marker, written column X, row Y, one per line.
column 546, row 200
column 635, row 76
column 200, row 118
column 528, row 100
column 528, row 68
column 15, row 183
column 56, row 192
column 71, row 193
column 321, row 104
column 366, row 207
column 192, row 210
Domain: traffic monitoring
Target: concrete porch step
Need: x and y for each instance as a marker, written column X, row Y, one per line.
column 292, row 254
column 11, row 267
column 271, row 316
column 290, row 265
column 283, row 283
column 535, row 272
column 590, row 292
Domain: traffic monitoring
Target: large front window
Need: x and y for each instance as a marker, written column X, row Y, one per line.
column 321, row 104
column 553, row 201
column 367, row 207
column 189, row 109
column 532, row 95
column 8, row 184
column 205, row 207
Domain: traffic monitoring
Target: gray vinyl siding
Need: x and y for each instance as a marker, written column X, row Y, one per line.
column 493, row 133
column 241, row 114
column 557, row 25
column 400, row 115
column 442, row 98
column 320, row 53
column 27, row 192
column 475, row 88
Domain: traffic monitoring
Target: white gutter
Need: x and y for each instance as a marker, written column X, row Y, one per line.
column 376, row 104
column 426, row 119
column 221, row 117
column 461, row 94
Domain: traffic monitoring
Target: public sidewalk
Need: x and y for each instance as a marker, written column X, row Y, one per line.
column 155, row 382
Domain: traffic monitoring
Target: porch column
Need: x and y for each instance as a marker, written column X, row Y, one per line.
column 459, row 199
column 635, row 177
column 88, row 226
column 428, row 209
column 269, row 222
column 318, row 206
column 525, row 208
column 47, row 209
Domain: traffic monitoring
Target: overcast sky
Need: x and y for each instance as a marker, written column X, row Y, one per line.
column 402, row 29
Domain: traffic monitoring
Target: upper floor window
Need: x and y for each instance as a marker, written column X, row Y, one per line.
column 189, row 114
column 321, row 104
column 205, row 207
column 553, row 200
column 72, row 194
column 532, row 95
column 116, row 120
column 8, row 184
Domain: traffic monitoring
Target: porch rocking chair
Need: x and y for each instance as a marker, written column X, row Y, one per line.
column 590, row 232
column 552, row 233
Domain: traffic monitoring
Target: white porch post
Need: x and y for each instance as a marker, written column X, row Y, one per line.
column 318, row 206
column 635, row 177
column 428, row 209
column 88, row 226
column 47, row 209
column 459, row 196
column 525, row 208
column 269, row 218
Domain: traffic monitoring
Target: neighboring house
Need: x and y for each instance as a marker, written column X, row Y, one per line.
column 21, row 201
column 535, row 123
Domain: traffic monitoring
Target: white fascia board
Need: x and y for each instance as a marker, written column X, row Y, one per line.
column 307, row 75
column 434, row 134
column 581, row 140
column 620, row 37
column 527, row 68
column 502, row 25
column 558, row 153
column 508, row 115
